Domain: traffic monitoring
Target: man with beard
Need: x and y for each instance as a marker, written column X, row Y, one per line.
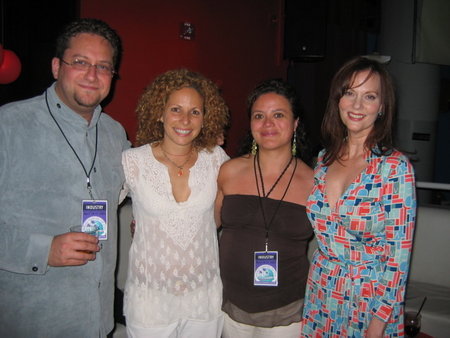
column 60, row 166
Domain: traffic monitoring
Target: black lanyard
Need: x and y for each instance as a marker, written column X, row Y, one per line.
column 88, row 174
column 267, row 225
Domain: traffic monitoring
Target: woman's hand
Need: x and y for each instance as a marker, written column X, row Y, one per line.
column 376, row 328
column 132, row 227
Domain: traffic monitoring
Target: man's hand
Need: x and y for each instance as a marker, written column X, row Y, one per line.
column 72, row 248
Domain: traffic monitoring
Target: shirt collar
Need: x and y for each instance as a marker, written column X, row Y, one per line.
column 61, row 111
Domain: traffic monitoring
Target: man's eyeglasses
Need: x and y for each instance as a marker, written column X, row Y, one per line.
column 85, row 66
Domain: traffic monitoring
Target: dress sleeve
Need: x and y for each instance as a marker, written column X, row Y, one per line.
column 220, row 155
column 126, row 185
column 399, row 203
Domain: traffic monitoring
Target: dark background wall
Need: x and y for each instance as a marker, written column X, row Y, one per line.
column 236, row 44
column 319, row 36
column 29, row 28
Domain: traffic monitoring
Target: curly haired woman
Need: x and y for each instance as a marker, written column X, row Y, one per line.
column 173, row 287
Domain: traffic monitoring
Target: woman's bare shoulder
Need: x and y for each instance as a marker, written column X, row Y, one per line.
column 304, row 170
column 235, row 175
column 305, row 174
column 236, row 165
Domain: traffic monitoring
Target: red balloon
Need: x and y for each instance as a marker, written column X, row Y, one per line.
column 10, row 67
column 1, row 54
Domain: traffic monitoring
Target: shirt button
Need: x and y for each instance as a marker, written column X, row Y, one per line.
column 35, row 268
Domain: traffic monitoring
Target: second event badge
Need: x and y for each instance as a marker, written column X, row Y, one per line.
column 266, row 268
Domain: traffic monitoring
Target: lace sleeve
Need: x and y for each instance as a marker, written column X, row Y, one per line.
column 220, row 156
column 125, row 188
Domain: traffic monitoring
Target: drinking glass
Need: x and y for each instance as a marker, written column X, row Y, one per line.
column 412, row 323
column 90, row 230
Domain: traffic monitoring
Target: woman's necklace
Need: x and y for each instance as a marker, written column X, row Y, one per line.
column 181, row 166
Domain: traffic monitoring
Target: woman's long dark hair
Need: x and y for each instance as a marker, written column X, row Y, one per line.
column 286, row 90
column 334, row 132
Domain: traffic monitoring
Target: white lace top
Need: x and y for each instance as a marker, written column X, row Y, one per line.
column 173, row 264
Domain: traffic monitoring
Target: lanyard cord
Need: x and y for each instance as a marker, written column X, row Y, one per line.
column 88, row 174
column 276, row 182
column 267, row 225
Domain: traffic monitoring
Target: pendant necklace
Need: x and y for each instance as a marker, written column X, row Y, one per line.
column 180, row 167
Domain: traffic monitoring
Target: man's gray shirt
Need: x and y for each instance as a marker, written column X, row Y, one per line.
column 43, row 185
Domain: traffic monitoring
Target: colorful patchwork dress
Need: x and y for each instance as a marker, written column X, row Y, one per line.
column 361, row 266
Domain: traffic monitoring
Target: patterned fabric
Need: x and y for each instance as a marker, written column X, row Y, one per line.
column 174, row 268
column 361, row 266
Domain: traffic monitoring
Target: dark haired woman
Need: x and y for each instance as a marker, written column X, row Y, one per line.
column 265, row 230
column 363, row 211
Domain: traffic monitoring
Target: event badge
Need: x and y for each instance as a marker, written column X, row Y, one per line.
column 95, row 213
column 266, row 268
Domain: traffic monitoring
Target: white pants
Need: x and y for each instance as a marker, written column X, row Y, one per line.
column 184, row 328
column 234, row 329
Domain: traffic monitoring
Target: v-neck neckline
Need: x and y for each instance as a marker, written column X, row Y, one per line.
column 169, row 182
column 357, row 179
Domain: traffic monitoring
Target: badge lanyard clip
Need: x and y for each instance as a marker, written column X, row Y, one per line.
column 89, row 187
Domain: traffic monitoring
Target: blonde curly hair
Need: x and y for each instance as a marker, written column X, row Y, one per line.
column 152, row 103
